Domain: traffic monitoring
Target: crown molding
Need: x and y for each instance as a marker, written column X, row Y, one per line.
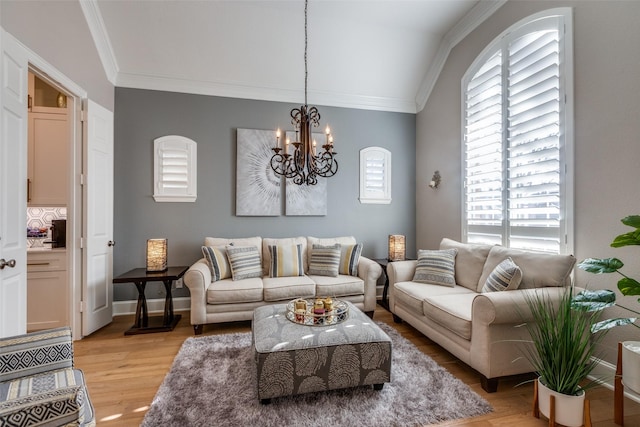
column 98, row 31
column 171, row 84
column 475, row 17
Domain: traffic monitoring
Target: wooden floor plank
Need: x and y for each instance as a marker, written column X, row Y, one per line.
column 123, row 374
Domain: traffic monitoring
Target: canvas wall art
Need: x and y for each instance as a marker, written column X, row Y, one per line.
column 258, row 188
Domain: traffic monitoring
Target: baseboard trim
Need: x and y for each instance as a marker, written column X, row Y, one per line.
column 155, row 306
column 604, row 373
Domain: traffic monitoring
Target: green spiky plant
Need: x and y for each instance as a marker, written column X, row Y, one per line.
column 562, row 350
column 601, row 299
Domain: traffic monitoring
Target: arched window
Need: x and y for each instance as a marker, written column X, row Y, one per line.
column 518, row 137
column 174, row 169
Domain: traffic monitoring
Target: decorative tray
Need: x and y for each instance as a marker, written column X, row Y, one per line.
column 317, row 311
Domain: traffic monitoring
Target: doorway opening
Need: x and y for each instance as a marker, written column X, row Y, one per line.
column 54, row 205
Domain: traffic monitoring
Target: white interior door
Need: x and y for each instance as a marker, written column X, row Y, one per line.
column 98, row 219
column 13, row 188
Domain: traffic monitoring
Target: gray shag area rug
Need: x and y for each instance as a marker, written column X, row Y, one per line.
column 213, row 383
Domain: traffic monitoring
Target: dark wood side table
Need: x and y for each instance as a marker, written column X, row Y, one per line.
column 144, row 323
column 384, row 262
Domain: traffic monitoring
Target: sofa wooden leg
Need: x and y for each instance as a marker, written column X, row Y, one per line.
column 397, row 319
column 369, row 313
column 490, row 385
column 197, row 329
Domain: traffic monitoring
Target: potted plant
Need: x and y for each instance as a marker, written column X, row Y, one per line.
column 563, row 352
column 605, row 298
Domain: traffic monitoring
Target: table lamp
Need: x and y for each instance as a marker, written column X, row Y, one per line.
column 396, row 247
column 156, row 255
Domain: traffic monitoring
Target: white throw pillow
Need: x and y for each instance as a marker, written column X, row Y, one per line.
column 436, row 267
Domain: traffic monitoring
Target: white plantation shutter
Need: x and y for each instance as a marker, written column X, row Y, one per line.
column 375, row 175
column 175, row 161
column 515, row 139
column 484, row 153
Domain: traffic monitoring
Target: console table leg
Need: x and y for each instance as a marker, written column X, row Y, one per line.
column 168, row 304
column 142, row 317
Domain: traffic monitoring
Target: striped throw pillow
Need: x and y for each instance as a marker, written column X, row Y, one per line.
column 244, row 261
column 349, row 258
column 325, row 260
column 218, row 263
column 436, row 267
column 505, row 277
column 286, row 260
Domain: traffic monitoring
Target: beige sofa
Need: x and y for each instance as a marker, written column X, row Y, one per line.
column 228, row 300
column 479, row 328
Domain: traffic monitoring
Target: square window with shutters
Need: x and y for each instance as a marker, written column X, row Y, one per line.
column 175, row 161
column 514, row 140
column 375, row 175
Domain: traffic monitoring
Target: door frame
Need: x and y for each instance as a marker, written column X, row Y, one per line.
column 76, row 99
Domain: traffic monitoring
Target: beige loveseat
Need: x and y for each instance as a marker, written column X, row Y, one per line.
column 479, row 328
column 229, row 300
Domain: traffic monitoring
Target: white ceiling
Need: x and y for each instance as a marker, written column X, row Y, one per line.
column 371, row 54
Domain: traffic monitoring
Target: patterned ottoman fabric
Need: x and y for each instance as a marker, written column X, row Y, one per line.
column 38, row 384
column 294, row 359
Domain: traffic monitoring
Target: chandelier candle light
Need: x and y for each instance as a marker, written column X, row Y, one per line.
column 305, row 165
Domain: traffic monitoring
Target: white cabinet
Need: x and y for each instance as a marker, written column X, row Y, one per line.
column 48, row 149
column 47, row 289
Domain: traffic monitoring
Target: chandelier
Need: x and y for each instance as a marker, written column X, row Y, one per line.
column 307, row 162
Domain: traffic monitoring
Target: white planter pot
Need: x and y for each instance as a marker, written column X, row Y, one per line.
column 631, row 365
column 569, row 410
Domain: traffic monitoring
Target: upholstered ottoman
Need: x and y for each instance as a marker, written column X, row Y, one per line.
column 294, row 359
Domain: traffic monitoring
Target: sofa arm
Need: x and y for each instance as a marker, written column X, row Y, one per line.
column 197, row 279
column 510, row 307
column 401, row 271
column 369, row 271
column 54, row 344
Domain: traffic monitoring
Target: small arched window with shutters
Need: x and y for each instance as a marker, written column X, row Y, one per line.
column 375, row 175
column 174, row 166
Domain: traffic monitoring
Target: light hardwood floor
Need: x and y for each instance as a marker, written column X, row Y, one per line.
column 124, row 373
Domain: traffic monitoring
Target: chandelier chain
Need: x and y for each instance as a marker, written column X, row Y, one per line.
column 306, row 5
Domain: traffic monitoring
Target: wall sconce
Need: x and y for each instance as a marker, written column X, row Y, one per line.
column 156, row 255
column 435, row 180
column 396, row 247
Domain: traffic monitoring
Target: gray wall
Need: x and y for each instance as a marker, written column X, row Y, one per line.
column 143, row 115
column 607, row 125
column 58, row 32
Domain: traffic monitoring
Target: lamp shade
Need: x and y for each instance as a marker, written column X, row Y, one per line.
column 156, row 255
column 397, row 248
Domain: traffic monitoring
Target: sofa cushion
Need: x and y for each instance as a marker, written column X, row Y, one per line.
column 342, row 285
column 505, row 277
column 538, row 269
column 288, row 241
column 436, row 267
column 286, row 260
column 349, row 259
column 412, row 294
column 470, row 260
column 244, row 261
column 231, row 292
column 324, row 260
column 216, row 257
column 452, row 312
column 247, row 241
column 288, row 288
